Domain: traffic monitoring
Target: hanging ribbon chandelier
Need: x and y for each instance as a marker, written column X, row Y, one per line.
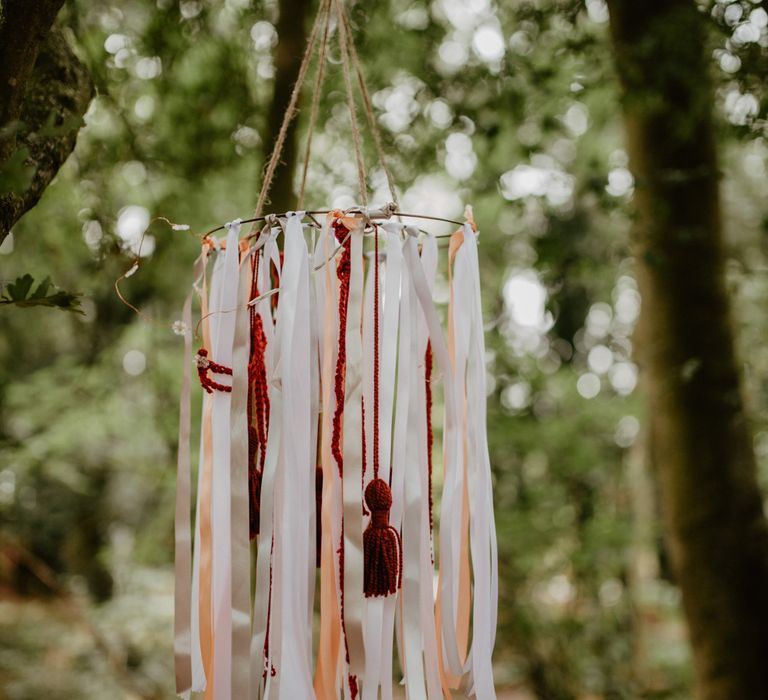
column 318, row 466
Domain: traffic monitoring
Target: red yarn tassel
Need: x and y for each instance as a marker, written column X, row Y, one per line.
column 382, row 546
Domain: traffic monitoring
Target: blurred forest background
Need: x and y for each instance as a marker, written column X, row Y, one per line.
column 515, row 107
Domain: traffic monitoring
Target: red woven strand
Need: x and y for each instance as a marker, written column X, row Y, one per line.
column 318, row 510
column 343, row 272
column 430, row 434
column 365, row 458
column 258, row 404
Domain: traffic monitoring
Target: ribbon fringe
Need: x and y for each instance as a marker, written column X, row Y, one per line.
column 317, row 444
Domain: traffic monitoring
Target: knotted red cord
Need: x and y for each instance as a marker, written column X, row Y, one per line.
column 205, row 365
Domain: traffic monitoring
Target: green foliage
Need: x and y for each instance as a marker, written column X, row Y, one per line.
column 88, row 401
column 20, row 293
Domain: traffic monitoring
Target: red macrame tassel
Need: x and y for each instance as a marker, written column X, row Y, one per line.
column 382, row 546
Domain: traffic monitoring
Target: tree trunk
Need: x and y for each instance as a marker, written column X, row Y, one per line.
column 23, row 27
column 292, row 39
column 44, row 92
column 716, row 531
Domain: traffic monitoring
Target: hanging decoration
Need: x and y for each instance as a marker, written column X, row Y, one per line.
column 323, row 373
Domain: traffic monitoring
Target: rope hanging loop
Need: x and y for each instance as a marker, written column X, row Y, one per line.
column 351, row 64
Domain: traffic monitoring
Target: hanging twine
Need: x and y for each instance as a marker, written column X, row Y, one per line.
column 350, row 62
column 290, row 113
column 368, row 108
column 347, row 71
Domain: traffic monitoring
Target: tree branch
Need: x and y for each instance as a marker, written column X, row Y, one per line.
column 41, row 105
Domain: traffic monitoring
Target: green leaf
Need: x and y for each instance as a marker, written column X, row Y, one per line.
column 18, row 293
column 18, row 290
column 42, row 289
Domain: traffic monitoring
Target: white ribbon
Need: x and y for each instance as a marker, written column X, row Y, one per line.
column 353, row 515
column 220, row 505
column 182, row 526
column 426, row 568
column 240, row 502
column 261, row 667
column 381, row 612
column 450, row 507
column 296, row 478
column 470, row 359
column 314, row 412
column 393, row 605
column 414, row 669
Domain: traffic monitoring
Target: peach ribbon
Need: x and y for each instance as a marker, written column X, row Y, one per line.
column 326, row 685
